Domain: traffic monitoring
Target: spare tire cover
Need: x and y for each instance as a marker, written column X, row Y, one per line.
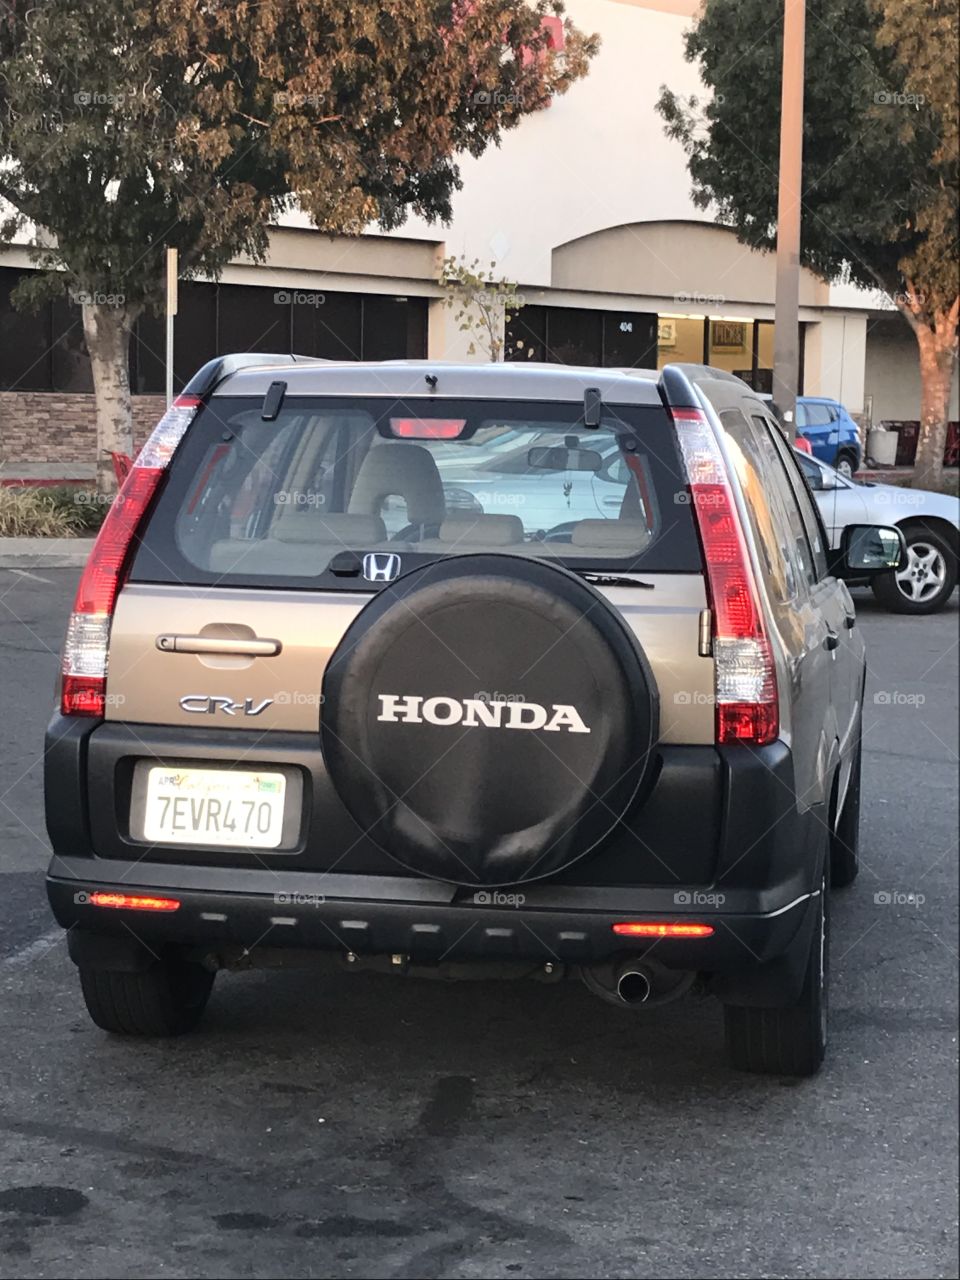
column 488, row 719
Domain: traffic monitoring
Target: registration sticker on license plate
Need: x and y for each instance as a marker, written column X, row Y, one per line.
column 214, row 807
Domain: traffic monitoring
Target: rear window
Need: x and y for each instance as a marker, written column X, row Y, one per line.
column 291, row 501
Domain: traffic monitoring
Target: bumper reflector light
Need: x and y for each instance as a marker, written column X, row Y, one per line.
column 134, row 902
column 662, row 929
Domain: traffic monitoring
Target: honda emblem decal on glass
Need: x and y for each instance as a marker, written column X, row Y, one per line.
column 381, row 566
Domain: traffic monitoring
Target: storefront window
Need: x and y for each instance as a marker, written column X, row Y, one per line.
column 731, row 347
column 679, row 341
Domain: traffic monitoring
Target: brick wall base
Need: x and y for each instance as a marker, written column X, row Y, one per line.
column 59, row 427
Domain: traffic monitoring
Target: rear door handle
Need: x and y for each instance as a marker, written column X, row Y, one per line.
column 831, row 640
column 850, row 621
column 253, row 648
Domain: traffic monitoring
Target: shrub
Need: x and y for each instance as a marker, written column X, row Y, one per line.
column 38, row 513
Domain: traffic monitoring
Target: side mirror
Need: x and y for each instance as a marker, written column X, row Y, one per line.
column 867, row 549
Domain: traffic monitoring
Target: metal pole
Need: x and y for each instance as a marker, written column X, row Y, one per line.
column 171, row 312
column 786, row 349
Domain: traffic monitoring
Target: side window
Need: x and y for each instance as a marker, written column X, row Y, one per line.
column 811, row 472
column 799, row 469
column 818, row 415
column 781, row 482
column 801, row 414
column 768, row 522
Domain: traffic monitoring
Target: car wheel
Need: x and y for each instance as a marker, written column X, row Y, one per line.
column 790, row 1041
column 845, row 839
column 846, row 464
column 925, row 581
column 166, row 999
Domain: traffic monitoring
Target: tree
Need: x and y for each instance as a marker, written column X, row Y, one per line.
column 484, row 302
column 879, row 155
column 127, row 126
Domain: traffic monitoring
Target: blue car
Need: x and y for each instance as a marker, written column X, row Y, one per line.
column 833, row 435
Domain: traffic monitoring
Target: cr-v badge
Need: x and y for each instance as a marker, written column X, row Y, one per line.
column 205, row 705
column 381, row 566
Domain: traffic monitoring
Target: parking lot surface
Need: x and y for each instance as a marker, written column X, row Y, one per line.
column 383, row 1127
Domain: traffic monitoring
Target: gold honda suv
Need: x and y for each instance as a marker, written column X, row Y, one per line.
column 444, row 670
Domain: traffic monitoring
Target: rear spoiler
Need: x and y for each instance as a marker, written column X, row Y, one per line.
column 677, row 384
column 214, row 371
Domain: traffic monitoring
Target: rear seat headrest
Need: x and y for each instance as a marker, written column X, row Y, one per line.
column 482, row 530
column 332, row 527
column 400, row 470
column 631, row 534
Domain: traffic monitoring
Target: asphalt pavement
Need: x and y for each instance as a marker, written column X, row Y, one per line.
column 371, row 1126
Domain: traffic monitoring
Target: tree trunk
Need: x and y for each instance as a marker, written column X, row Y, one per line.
column 107, row 333
column 938, row 348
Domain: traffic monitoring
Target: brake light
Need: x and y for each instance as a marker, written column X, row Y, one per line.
column 427, row 428
column 84, row 668
column 662, row 929
column 746, row 678
column 134, row 902
column 803, row 444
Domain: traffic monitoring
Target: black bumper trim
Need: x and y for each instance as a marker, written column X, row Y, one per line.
column 429, row 928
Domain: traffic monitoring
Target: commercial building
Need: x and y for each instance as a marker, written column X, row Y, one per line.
column 586, row 206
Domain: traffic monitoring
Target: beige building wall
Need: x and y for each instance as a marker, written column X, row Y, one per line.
column 684, row 263
column 833, row 362
column 892, row 372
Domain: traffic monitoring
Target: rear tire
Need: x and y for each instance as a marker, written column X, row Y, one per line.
column 846, row 463
column 845, row 840
column 164, row 1000
column 790, row 1041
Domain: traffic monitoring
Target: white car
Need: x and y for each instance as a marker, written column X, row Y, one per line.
column 930, row 524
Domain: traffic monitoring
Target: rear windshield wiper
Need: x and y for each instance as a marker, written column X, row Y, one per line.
column 612, row 580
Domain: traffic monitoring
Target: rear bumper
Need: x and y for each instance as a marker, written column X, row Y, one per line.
column 428, row 921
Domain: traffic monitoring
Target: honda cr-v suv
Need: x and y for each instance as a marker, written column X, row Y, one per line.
column 513, row 740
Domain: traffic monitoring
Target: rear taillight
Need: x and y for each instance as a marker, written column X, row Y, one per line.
column 84, row 670
column 746, row 678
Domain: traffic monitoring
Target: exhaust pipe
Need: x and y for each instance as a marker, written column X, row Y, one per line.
column 634, row 985
column 632, row 981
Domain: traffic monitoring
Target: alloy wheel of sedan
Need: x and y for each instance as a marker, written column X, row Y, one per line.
column 923, row 574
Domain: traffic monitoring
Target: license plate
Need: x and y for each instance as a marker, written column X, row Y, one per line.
column 214, row 807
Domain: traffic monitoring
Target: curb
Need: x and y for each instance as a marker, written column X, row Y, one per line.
column 44, row 553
